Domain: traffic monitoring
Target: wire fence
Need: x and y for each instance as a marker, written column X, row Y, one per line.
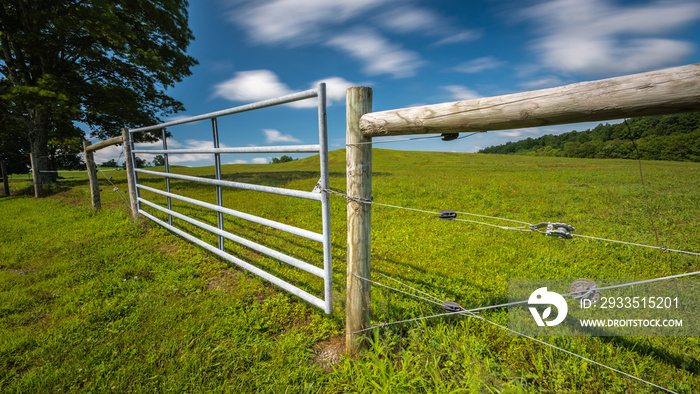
column 558, row 230
column 472, row 312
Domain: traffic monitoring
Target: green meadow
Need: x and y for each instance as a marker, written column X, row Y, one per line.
column 93, row 302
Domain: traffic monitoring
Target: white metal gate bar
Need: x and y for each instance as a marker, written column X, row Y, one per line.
column 167, row 169
column 251, row 268
column 243, row 108
column 324, row 303
column 249, row 149
column 239, row 185
column 246, row 216
column 245, row 242
column 217, row 167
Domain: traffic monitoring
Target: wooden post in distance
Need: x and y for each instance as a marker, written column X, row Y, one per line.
column 92, row 176
column 130, row 174
column 359, row 185
column 5, row 182
column 36, row 177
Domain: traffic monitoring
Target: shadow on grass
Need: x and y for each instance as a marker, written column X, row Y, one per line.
column 431, row 280
column 647, row 349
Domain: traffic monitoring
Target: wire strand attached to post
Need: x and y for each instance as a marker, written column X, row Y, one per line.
column 560, row 230
column 413, row 139
column 471, row 313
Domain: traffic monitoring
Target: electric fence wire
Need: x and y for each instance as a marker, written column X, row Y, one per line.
column 408, row 139
column 400, row 291
column 574, row 354
column 121, row 152
column 646, row 201
column 495, row 306
column 524, row 228
column 360, row 200
column 412, row 288
column 635, row 244
column 114, row 187
column 470, row 313
column 71, row 170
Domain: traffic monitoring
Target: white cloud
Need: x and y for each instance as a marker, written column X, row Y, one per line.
column 189, row 144
column 296, row 22
column 409, row 19
column 466, row 35
column 251, row 86
column 378, row 54
column 596, row 37
column 338, row 23
column 520, row 132
column 115, row 152
column 173, row 144
column 545, row 82
column 459, row 92
column 257, row 85
column 478, row 65
column 111, row 152
column 303, row 22
column 335, row 88
column 272, row 136
column 260, row 160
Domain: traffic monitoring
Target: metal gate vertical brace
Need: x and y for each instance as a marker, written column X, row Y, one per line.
column 167, row 170
column 325, row 303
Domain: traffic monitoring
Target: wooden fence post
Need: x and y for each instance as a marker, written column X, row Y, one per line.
column 92, row 176
column 130, row 174
column 359, row 185
column 36, row 177
column 5, row 182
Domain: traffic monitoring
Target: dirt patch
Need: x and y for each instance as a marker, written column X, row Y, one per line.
column 72, row 200
column 224, row 279
column 169, row 249
column 231, row 280
column 21, row 271
column 330, row 352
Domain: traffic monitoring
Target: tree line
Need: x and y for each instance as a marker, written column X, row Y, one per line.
column 667, row 137
column 138, row 162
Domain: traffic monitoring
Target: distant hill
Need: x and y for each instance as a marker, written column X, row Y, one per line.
column 667, row 137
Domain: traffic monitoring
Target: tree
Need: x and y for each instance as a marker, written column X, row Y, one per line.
column 158, row 161
column 282, row 159
column 110, row 164
column 140, row 163
column 106, row 63
column 64, row 153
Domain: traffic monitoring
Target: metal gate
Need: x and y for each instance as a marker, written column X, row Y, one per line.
column 322, row 148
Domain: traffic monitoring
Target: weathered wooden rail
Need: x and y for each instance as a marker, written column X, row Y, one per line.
column 661, row 92
column 673, row 90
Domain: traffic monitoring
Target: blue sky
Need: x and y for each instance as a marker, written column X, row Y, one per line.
column 410, row 53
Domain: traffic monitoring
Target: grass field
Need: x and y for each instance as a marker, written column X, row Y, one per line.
column 90, row 301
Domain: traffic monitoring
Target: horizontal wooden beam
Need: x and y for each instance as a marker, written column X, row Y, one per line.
column 104, row 144
column 673, row 90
